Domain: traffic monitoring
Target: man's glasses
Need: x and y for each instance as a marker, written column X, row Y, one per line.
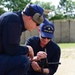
column 45, row 37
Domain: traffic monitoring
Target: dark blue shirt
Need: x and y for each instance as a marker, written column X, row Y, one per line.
column 11, row 28
column 52, row 49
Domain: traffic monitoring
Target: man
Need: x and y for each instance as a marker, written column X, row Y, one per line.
column 46, row 52
column 12, row 56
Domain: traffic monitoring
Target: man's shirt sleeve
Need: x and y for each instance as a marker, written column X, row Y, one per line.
column 53, row 68
column 11, row 37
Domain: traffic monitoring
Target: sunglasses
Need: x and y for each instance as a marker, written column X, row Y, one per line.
column 45, row 37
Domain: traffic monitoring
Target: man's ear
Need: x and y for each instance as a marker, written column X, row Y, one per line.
column 29, row 17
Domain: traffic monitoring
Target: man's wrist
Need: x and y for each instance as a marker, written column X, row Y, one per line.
column 35, row 58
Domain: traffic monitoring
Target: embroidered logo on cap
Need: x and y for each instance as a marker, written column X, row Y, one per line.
column 48, row 29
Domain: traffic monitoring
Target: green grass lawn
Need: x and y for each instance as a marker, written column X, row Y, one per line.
column 66, row 45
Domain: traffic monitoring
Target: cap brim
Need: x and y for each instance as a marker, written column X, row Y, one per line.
column 48, row 35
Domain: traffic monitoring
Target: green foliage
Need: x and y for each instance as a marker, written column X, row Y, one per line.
column 2, row 11
column 57, row 17
column 14, row 5
column 67, row 7
column 65, row 10
column 62, row 2
column 45, row 5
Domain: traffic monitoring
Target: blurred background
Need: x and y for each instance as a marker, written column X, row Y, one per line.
column 62, row 14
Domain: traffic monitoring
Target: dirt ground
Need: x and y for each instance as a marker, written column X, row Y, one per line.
column 67, row 60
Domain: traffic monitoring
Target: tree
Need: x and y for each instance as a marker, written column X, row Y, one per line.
column 14, row 5
column 65, row 10
column 45, row 5
column 67, row 7
column 1, row 10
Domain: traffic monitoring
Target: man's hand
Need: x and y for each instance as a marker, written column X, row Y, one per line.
column 41, row 55
column 35, row 66
column 31, row 52
column 46, row 71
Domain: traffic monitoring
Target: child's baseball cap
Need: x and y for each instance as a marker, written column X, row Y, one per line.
column 35, row 11
column 47, row 29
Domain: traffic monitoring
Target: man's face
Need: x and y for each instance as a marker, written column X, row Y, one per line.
column 30, row 24
column 33, row 25
column 44, row 40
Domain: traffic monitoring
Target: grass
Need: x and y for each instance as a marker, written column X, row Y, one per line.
column 66, row 45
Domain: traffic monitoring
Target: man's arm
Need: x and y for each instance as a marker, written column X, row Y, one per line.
column 55, row 59
column 40, row 55
column 11, row 37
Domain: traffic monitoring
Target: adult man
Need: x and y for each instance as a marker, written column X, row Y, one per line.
column 12, row 56
column 47, row 53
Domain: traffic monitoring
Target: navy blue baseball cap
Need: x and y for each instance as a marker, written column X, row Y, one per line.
column 35, row 11
column 47, row 29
